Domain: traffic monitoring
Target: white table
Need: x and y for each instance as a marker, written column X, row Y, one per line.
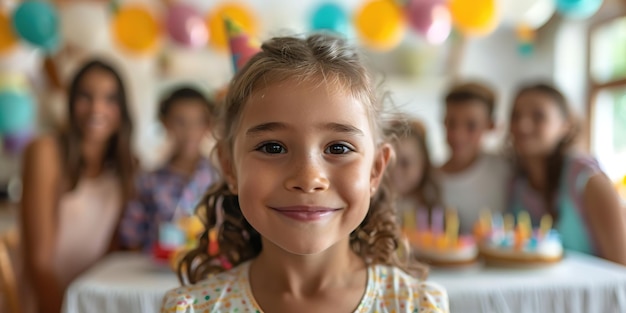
column 579, row 284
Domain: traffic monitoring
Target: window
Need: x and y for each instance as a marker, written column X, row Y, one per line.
column 607, row 109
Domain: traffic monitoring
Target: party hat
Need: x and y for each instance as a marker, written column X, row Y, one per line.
column 242, row 46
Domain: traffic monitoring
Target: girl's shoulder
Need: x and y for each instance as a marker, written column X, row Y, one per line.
column 395, row 289
column 225, row 291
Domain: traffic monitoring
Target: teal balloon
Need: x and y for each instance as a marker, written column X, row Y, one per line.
column 37, row 22
column 578, row 9
column 17, row 111
column 331, row 17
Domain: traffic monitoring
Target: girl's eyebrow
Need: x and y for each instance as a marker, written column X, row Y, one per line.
column 276, row 126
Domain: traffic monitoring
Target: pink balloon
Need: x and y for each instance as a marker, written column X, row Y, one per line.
column 186, row 26
column 430, row 18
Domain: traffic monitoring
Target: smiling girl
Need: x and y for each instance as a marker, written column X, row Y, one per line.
column 309, row 222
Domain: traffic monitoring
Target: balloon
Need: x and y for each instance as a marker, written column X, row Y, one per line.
column 236, row 12
column 17, row 111
column 38, row 23
column 474, row 17
column 136, row 29
column 15, row 142
column 85, row 25
column 380, row 24
column 431, row 19
column 186, row 26
column 7, row 38
column 578, row 9
column 332, row 17
column 531, row 13
column 13, row 81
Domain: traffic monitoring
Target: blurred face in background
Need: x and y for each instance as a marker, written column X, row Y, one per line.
column 408, row 169
column 537, row 124
column 96, row 109
column 187, row 123
column 466, row 122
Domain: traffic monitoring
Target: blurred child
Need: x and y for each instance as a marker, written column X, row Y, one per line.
column 551, row 178
column 472, row 180
column 176, row 187
column 74, row 187
column 412, row 175
column 307, row 223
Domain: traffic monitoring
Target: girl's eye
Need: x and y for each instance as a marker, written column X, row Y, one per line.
column 272, row 148
column 338, row 149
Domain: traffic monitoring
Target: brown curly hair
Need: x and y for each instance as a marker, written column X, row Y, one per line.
column 320, row 59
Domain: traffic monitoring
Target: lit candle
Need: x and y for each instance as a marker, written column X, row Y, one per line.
column 545, row 225
column 408, row 220
column 436, row 224
column 523, row 222
column 452, row 227
column 509, row 222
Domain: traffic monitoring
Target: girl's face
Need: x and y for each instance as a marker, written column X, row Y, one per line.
column 466, row 123
column 304, row 165
column 537, row 124
column 186, row 122
column 409, row 167
column 97, row 106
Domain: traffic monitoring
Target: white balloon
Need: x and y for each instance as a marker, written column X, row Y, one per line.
column 532, row 13
column 85, row 25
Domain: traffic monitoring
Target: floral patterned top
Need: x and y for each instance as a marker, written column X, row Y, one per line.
column 388, row 290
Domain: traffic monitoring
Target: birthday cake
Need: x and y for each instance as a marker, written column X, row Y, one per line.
column 176, row 238
column 504, row 240
column 433, row 244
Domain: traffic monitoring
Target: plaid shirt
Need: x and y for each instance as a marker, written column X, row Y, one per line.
column 159, row 193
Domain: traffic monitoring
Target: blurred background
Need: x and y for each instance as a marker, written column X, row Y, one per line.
column 417, row 48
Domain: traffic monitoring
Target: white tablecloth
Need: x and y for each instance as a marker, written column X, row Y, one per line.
column 579, row 284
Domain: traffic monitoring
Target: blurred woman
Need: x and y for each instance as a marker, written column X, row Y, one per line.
column 75, row 183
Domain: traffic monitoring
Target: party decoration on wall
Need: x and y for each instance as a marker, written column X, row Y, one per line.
column 14, row 143
column 85, row 25
column 430, row 18
column 8, row 40
column 186, row 26
column 37, row 22
column 238, row 13
column 331, row 17
column 242, row 46
column 474, row 17
column 529, row 13
column 578, row 9
column 136, row 29
column 526, row 40
column 380, row 24
column 17, row 110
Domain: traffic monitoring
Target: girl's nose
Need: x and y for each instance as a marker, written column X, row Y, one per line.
column 307, row 175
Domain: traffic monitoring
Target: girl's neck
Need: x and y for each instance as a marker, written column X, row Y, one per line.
column 535, row 168
column 93, row 157
column 458, row 164
column 300, row 275
column 184, row 164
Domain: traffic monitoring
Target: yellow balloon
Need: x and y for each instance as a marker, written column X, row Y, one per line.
column 8, row 40
column 380, row 24
column 136, row 29
column 474, row 17
column 237, row 12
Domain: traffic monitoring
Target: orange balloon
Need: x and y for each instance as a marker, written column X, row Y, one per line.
column 8, row 40
column 474, row 17
column 136, row 29
column 237, row 12
column 380, row 24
